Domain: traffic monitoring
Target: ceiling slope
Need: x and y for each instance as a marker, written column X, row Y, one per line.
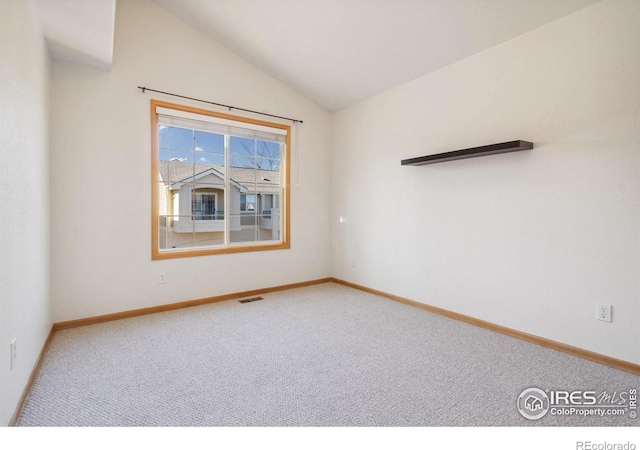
column 340, row 52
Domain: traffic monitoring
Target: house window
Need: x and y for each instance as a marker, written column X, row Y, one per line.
column 203, row 207
column 220, row 183
column 247, row 202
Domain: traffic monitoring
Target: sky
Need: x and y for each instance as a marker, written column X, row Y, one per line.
column 195, row 146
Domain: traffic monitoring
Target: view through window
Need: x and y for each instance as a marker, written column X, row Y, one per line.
column 220, row 182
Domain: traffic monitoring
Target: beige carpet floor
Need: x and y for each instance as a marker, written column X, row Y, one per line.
column 324, row 355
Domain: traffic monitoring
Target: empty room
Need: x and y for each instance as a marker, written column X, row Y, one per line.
column 322, row 213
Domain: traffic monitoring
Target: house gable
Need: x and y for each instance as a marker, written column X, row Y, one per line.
column 207, row 177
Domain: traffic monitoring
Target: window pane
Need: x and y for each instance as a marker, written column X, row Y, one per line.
column 267, row 155
column 242, row 146
column 255, row 227
column 208, row 175
column 176, row 169
column 169, row 154
column 267, row 181
column 209, row 142
column 181, row 231
column 181, row 174
column 269, row 224
column 211, row 159
column 175, row 138
column 248, row 230
column 246, row 162
column 169, row 239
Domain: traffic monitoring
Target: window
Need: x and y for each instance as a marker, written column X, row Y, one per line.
column 203, row 206
column 220, row 183
column 247, row 202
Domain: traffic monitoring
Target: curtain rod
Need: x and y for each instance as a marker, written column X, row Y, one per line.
column 219, row 104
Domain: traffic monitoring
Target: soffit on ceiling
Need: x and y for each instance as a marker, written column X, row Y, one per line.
column 79, row 32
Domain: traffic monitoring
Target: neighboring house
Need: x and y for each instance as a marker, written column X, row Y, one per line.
column 192, row 201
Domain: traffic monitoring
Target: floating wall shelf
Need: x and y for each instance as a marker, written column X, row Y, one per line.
column 493, row 149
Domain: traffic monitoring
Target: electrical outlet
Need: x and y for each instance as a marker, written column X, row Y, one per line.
column 163, row 278
column 13, row 353
column 604, row 312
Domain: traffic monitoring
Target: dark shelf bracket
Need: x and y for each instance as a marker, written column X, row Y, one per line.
column 493, row 149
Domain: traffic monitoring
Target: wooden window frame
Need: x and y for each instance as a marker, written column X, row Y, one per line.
column 285, row 189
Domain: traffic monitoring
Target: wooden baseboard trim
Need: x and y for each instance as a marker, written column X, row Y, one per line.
column 32, row 377
column 172, row 306
column 548, row 343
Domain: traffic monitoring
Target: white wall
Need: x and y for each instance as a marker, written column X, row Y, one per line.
column 529, row 240
column 25, row 311
column 100, row 199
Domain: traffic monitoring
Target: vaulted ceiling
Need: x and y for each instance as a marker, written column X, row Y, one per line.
column 335, row 52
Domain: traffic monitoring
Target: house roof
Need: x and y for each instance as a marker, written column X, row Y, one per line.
column 202, row 175
column 172, row 172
